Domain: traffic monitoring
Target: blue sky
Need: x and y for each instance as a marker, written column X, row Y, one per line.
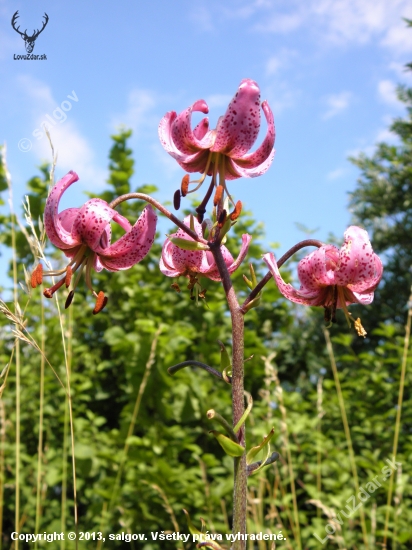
column 328, row 68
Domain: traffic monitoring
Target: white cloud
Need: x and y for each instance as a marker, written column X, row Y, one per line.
column 279, row 61
column 342, row 21
column 337, row 103
column 385, row 135
column 335, row 174
column 73, row 150
column 139, row 110
column 202, row 17
column 387, row 92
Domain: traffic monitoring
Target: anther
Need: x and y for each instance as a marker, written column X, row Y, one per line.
column 359, row 328
column 218, row 195
column 185, row 185
column 222, row 218
column 68, row 278
column 48, row 293
column 37, row 276
column 176, row 200
column 236, row 212
column 101, row 301
column 69, row 299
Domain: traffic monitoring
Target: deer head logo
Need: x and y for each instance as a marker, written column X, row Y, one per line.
column 28, row 40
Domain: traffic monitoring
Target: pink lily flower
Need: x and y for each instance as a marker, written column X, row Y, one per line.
column 223, row 151
column 190, row 263
column 334, row 278
column 84, row 235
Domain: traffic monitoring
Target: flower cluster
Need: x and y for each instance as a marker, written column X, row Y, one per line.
column 330, row 277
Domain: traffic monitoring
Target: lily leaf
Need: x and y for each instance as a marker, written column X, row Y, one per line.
column 255, row 450
column 230, row 447
column 185, row 244
column 193, row 530
column 224, row 357
column 245, row 414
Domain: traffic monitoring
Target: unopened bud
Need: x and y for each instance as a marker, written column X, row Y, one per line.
column 218, row 195
column 48, row 293
column 184, row 188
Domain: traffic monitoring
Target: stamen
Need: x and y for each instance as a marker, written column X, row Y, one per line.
column 236, row 212
column 67, row 280
column 222, row 218
column 101, row 301
column 37, row 276
column 201, row 209
column 69, row 299
column 176, row 199
column 184, row 188
column 48, row 293
column 359, row 328
column 218, row 195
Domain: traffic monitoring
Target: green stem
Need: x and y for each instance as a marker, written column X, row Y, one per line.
column 41, row 407
column 398, row 417
column 238, row 403
column 347, row 431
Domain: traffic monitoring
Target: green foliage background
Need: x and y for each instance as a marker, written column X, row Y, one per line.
column 118, row 362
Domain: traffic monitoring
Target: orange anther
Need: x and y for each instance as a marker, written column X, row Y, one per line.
column 67, row 280
column 101, row 301
column 236, row 212
column 218, row 195
column 184, row 188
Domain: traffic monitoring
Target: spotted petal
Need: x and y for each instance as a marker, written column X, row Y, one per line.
column 265, row 150
column 186, row 140
column 359, row 266
column 306, row 297
column 238, row 129
column 231, row 264
column 133, row 246
column 57, row 227
column 91, row 221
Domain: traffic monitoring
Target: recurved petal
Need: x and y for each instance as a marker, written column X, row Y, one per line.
column 231, row 264
column 57, row 234
column 234, row 171
column 201, row 129
column 184, row 260
column 317, row 268
column 166, row 261
column 67, row 217
column 165, row 136
column 185, row 140
column 305, row 297
column 265, row 150
column 195, row 163
column 91, row 222
column 133, row 246
column 238, row 129
column 358, row 266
